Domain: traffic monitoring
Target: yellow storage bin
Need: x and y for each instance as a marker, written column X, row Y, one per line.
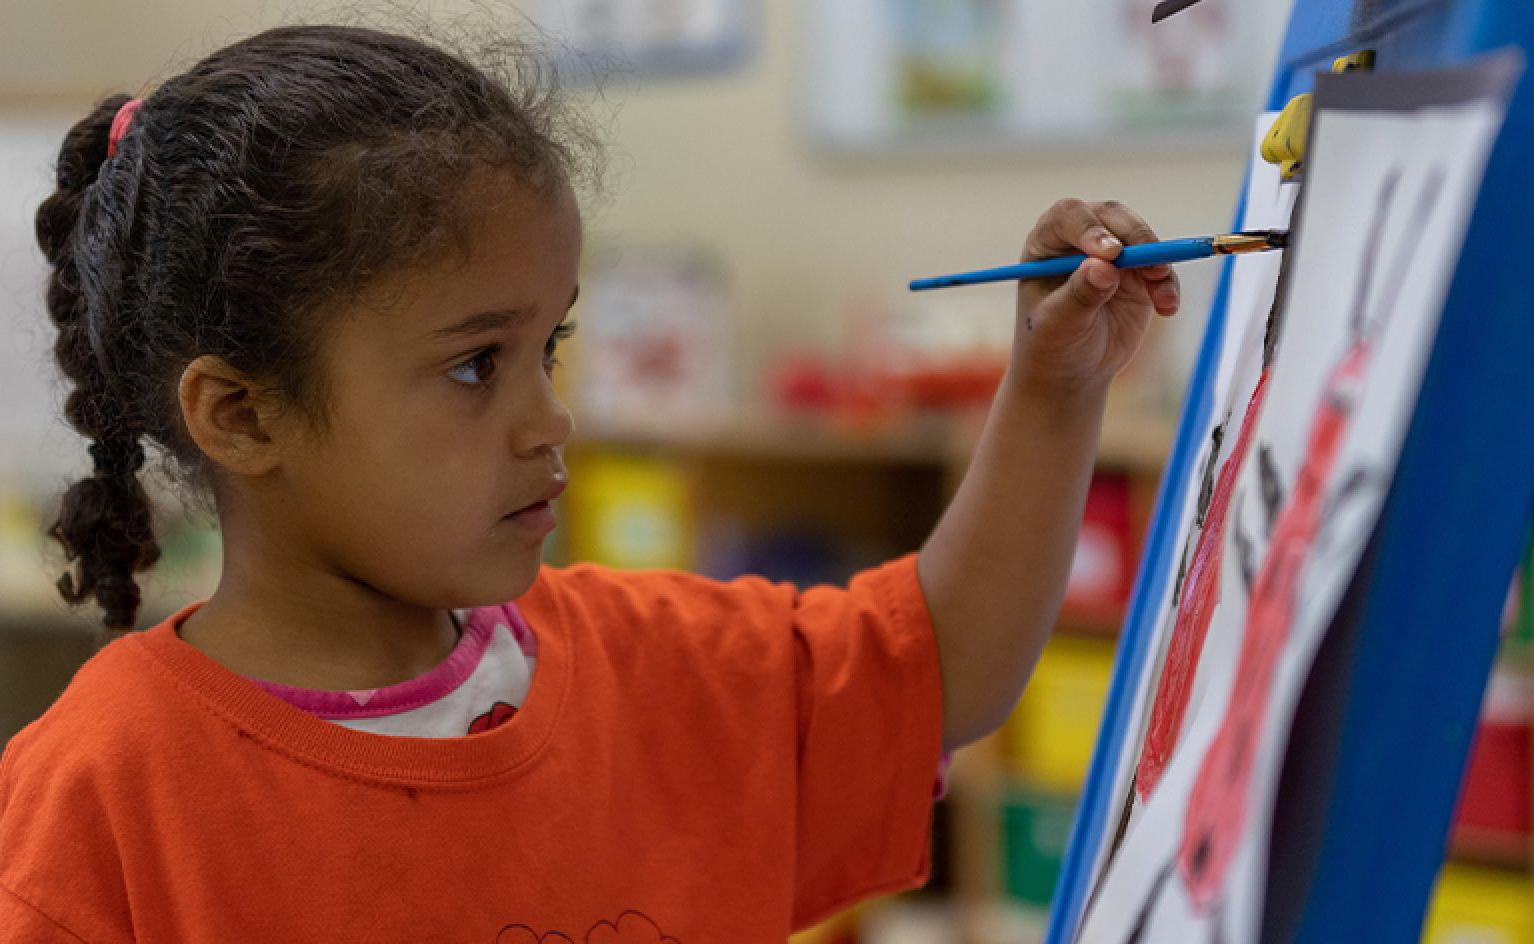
column 628, row 510
column 1051, row 733
column 1474, row 905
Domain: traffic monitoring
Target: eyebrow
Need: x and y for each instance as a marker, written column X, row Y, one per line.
column 481, row 321
column 488, row 320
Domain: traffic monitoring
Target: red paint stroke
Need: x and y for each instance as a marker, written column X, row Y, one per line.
column 1201, row 590
column 1217, row 807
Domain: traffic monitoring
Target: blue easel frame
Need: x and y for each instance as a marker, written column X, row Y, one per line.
column 1431, row 591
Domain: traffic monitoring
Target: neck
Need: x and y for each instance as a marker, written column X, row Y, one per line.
column 282, row 614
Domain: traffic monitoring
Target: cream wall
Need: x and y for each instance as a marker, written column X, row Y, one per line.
column 719, row 162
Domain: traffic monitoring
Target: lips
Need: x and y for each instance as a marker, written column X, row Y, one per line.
column 554, row 489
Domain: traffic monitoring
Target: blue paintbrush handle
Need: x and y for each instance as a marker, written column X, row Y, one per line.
column 1133, row 257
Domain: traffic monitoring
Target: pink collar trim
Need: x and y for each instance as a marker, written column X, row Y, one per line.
column 439, row 682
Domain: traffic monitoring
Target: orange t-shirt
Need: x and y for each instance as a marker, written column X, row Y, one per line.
column 696, row 762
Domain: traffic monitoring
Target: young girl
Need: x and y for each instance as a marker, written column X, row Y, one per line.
column 325, row 271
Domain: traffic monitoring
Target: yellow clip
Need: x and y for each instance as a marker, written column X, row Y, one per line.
column 1286, row 140
column 1358, row 62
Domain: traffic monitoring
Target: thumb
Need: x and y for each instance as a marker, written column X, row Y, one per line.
column 1087, row 290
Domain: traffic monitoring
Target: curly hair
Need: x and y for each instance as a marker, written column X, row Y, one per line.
column 273, row 178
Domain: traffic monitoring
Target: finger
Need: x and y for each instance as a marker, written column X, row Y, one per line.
column 1129, row 226
column 1166, row 295
column 1162, row 287
column 1154, row 278
column 1088, row 289
column 1071, row 226
column 1161, row 283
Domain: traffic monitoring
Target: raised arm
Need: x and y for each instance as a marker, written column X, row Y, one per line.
column 994, row 569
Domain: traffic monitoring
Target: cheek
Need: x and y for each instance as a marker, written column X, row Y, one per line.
column 440, row 458
column 419, row 516
column 406, row 429
column 392, row 468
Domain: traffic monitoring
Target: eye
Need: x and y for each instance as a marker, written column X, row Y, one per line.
column 561, row 333
column 478, row 370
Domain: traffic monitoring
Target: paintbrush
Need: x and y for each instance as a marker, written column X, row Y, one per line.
column 1137, row 256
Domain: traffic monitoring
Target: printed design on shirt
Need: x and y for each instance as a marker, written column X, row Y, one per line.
column 499, row 714
column 632, row 927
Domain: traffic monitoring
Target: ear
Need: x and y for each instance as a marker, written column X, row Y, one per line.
column 229, row 417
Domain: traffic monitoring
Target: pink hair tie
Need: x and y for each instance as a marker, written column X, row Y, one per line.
column 120, row 122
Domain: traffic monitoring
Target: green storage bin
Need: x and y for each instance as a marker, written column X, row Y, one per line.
column 1036, row 827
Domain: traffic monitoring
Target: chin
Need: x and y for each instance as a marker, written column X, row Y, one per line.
column 503, row 583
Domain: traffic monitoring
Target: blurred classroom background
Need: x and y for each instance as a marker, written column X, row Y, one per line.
column 755, row 390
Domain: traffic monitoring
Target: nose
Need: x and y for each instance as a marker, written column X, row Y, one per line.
column 547, row 424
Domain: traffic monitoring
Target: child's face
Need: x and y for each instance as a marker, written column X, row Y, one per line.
column 444, row 427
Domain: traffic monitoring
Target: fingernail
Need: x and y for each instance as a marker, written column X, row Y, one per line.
column 1166, row 296
column 1109, row 243
column 1101, row 277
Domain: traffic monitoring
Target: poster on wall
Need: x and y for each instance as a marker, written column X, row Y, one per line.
column 982, row 74
column 1184, row 75
column 655, row 37
column 655, row 341
column 1299, row 462
column 948, row 58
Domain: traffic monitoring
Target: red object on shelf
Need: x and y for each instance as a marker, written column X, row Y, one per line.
column 802, row 382
column 1494, row 813
column 959, row 383
column 1495, row 796
column 1102, row 571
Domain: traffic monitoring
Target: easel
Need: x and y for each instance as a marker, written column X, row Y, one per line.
column 1367, row 791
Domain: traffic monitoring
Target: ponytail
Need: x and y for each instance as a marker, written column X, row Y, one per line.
column 105, row 521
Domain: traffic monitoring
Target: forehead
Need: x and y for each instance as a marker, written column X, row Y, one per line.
column 509, row 225
column 516, row 247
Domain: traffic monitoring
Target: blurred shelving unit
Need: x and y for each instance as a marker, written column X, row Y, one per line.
column 1486, row 889
column 1129, row 440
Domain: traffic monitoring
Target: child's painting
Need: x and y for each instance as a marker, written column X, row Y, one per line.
column 1205, row 494
column 1317, row 396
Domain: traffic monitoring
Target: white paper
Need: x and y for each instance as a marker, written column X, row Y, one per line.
column 1388, row 193
column 1269, row 204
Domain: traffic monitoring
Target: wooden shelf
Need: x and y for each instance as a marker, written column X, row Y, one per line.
column 1490, row 847
column 1090, row 627
column 1129, row 439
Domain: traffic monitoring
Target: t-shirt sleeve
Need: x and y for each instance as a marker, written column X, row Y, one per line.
column 870, row 739
column 19, row 919
column 20, row 922
column 840, row 686
column 60, row 876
